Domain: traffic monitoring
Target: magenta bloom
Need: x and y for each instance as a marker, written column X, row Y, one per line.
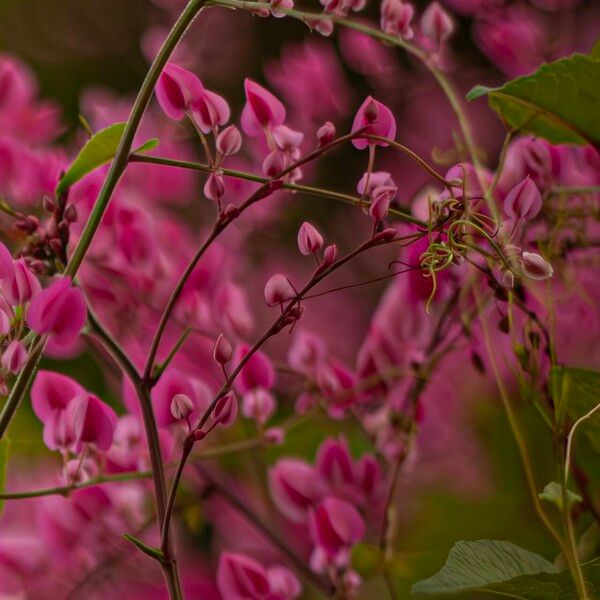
column 262, row 109
column 295, row 487
column 278, row 290
column 524, row 201
column 437, row 24
column 6, row 262
column 240, row 577
column 59, row 310
column 309, row 239
column 376, row 119
column 22, row 284
column 14, row 357
column 210, row 110
column 177, row 90
column 71, row 416
column 335, row 526
column 257, row 372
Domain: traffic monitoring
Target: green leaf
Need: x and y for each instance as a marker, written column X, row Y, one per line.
column 553, row 493
column 559, row 102
column 151, row 551
column 4, row 451
column 97, row 151
column 549, row 587
column 575, row 392
column 474, row 565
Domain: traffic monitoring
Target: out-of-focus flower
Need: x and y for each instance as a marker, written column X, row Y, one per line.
column 396, row 17
column 524, row 201
column 437, row 24
column 14, row 356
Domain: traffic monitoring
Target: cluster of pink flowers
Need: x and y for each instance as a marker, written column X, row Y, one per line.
column 197, row 274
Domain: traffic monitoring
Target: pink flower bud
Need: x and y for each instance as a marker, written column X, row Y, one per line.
column 274, row 163
column 324, row 27
column 284, row 584
column 172, row 383
column 209, row 111
column 262, row 109
column 524, row 201
column 229, row 141
column 380, row 203
column 329, row 255
column 59, row 310
column 277, row 4
column 222, row 351
column 181, row 406
column 4, row 322
column 396, row 17
column 176, row 91
column 274, row 436
column 278, row 290
column 325, row 134
column 535, row 266
column 376, row 179
column 375, row 119
column 335, row 526
column 214, row 188
column 310, row 240
column 225, row 411
column 437, row 24
column 14, row 357
column 258, row 404
column 22, row 285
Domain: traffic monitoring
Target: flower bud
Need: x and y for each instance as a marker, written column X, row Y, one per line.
column 287, row 139
column 380, row 203
column 14, row 357
column 278, row 290
column 274, row 435
column 225, row 411
column 325, row 134
column 23, row 284
column 374, row 118
column 324, row 27
column 524, row 201
column 222, row 351
column 277, row 4
column 181, row 406
column 310, row 240
column 214, row 188
column 70, row 213
column 396, row 17
column 273, row 163
column 229, row 141
column 535, row 266
column 437, row 24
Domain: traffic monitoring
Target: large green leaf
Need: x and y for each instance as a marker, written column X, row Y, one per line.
column 474, row 565
column 97, row 151
column 576, row 392
column 559, row 102
column 4, row 450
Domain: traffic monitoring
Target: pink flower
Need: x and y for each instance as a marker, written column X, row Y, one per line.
column 262, row 109
column 396, row 17
column 14, row 357
column 52, row 391
column 376, row 119
column 258, row 404
column 229, row 141
column 276, row 5
column 240, row 577
column 437, row 24
column 535, row 266
column 257, row 372
column 172, row 383
column 181, row 406
column 376, row 179
column 380, row 203
column 310, row 240
column 306, row 352
column 278, row 290
column 524, row 201
column 335, row 526
column 209, row 111
column 59, row 310
column 98, row 422
column 214, row 188
column 177, row 90
column 6, row 262
column 295, row 487
column 22, row 284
